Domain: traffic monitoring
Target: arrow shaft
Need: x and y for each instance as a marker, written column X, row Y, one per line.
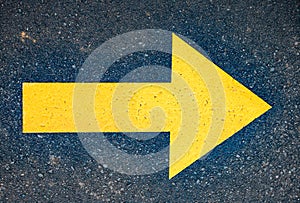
column 98, row 107
column 48, row 107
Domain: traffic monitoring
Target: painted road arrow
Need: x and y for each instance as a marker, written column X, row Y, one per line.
column 202, row 106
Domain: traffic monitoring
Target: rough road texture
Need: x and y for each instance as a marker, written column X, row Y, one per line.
column 257, row 42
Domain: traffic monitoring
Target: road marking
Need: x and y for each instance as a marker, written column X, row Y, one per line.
column 202, row 106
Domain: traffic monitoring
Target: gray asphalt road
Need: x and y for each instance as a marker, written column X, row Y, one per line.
column 256, row 42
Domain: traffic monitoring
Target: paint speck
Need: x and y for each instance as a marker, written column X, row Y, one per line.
column 24, row 36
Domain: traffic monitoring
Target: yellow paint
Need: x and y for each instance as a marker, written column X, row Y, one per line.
column 47, row 107
column 239, row 106
column 201, row 107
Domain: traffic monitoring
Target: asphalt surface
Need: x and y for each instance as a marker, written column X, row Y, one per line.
column 256, row 42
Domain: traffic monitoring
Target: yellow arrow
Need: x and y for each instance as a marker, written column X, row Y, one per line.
column 201, row 107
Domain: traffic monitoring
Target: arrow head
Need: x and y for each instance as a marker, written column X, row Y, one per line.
column 225, row 106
